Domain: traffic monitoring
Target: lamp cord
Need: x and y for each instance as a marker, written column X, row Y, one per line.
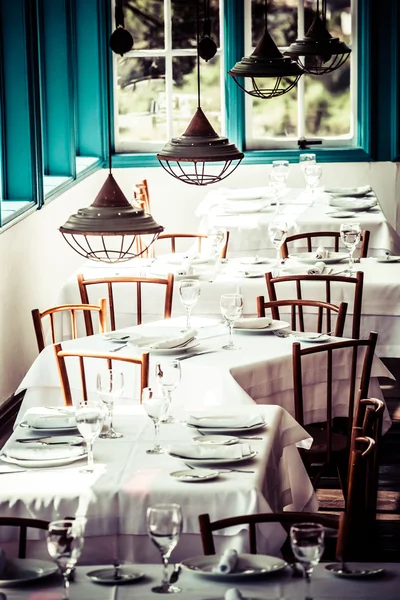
column 198, row 55
column 108, row 81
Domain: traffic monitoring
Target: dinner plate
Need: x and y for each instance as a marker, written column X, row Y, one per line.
column 254, row 260
column 178, row 350
column 177, row 258
column 43, row 463
column 49, row 429
column 353, row 570
column 177, row 276
column 387, row 259
column 107, row 576
column 309, row 336
column 274, row 326
column 353, row 204
column 224, row 430
column 248, row 566
column 309, row 257
column 225, row 440
column 240, row 209
column 249, row 274
column 195, row 475
column 55, row 440
column 19, row 571
column 341, row 214
column 214, row 461
column 354, row 192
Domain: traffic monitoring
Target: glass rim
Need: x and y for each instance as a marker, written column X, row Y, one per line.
column 165, row 506
column 307, row 526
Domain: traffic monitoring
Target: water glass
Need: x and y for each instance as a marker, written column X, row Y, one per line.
column 312, row 175
column 277, row 230
column 110, row 385
column 231, row 309
column 280, row 171
column 89, row 420
column 307, row 159
column 156, row 407
column 189, row 291
column 168, row 374
column 65, row 545
column 350, row 234
column 216, row 237
column 307, row 542
column 164, row 526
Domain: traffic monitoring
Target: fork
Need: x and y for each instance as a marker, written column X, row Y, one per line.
column 223, row 470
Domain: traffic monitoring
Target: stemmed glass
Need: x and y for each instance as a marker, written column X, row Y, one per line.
column 110, row 385
column 155, row 406
column 164, row 526
column 231, row 309
column 350, row 234
column 168, row 374
column 307, row 159
column 189, row 291
column 217, row 237
column 89, row 420
column 65, row 545
column 312, row 175
column 307, row 542
column 277, row 230
column 280, row 171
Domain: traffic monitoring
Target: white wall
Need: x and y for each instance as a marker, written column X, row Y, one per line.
column 36, row 260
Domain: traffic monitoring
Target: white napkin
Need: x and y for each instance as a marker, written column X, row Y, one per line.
column 186, row 267
column 233, row 594
column 175, row 341
column 49, row 420
column 321, row 253
column 252, row 323
column 224, row 420
column 3, row 560
column 363, row 189
column 348, row 203
column 40, row 452
column 316, row 269
column 202, row 451
column 227, row 563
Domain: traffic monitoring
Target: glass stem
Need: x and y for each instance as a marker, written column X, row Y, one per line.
column 110, row 419
column 66, row 584
column 307, row 572
column 90, row 462
column 156, row 432
column 351, row 261
column 230, row 327
column 188, row 311
column 165, row 579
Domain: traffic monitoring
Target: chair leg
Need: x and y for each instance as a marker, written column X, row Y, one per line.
column 342, row 466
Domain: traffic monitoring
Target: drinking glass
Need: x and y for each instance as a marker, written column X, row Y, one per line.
column 312, row 175
column 350, row 234
column 307, row 159
column 277, row 230
column 168, row 374
column 65, row 544
column 216, row 236
column 307, row 542
column 89, row 420
column 155, row 406
column 231, row 309
column 110, row 385
column 280, row 171
column 164, row 526
column 189, row 291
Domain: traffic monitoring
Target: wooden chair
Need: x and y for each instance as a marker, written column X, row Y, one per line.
column 142, row 195
column 74, row 310
column 286, row 519
column 334, row 241
column 331, row 448
column 23, row 524
column 61, row 355
column 199, row 237
column 328, row 283
column 323, row 312
column 138, row 282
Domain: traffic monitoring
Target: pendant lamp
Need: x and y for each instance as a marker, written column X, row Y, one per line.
column 267, row 62
column 107, row 230
column 318, row 52
column 192, row 157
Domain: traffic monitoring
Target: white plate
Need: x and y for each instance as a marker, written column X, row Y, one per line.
column 166, row 351
column 21, row 570
column 387, row 259
column 308, row 336
column 355, row 192
column 274, row 326
column 44, row 463
column 225, row 430
column 49, row 429
column 106, row 576
column 248, row 274
column 354, row 570
column 309, row 257
column 214, row 461
column 254, row 260
column 341, row 214
column 248, row 566
column 177, row 276
column 177, row 258
column 225, row 440
column 353, row 204
column 55, row 440
column 195, row 475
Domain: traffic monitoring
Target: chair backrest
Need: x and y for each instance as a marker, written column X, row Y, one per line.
column 74, row 310
column 187, row 237
column 23, row 525
column 313, row 239
column 137, row 283
column 142, row 195
column 323, row 287
column 61, row 355
column 286, row 519
column 323, row 313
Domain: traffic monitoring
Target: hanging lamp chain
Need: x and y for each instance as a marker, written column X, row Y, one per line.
column 324, row 12
column 198, row 55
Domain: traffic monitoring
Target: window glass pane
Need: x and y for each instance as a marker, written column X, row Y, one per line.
column 145, row 21
column 184, row 22
column 276, row 117
column 282, row 21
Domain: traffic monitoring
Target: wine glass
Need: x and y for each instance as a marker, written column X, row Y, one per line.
column 277, row 230
column 189, row 291
column 307, row 159
column 307, row 542
column 312, row 175
column 216, row 236
column 155, row 406
column 65, row 545
column 89, row 420
column 110, row 385
column 231, row 309
column 168, row 374
column 280, row 171
column 164, row 526
column 350, row 234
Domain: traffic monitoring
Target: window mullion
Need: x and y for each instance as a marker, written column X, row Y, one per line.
column 168, row 65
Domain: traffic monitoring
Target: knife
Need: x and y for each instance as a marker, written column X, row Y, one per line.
column 180, row 358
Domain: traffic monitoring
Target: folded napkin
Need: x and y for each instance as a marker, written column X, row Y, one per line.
column 355, row 203
column 3, row 560
column 201, row 451
column 50, row 420
column 233, row 594
column 186, row 267
column 227, row 564
column 252, row 323
column 348, row 191
column 175, row 341
column 221, row 420
column 40, row 452
column 321, row 253
column 316, row 269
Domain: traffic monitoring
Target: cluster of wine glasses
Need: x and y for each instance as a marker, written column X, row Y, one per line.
column 164, row 527
column 231, row 306
column 307, row 543
column 189, row 291
column 65, row 544
column 278, row 179
column 350, row 234
column 277, row 230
